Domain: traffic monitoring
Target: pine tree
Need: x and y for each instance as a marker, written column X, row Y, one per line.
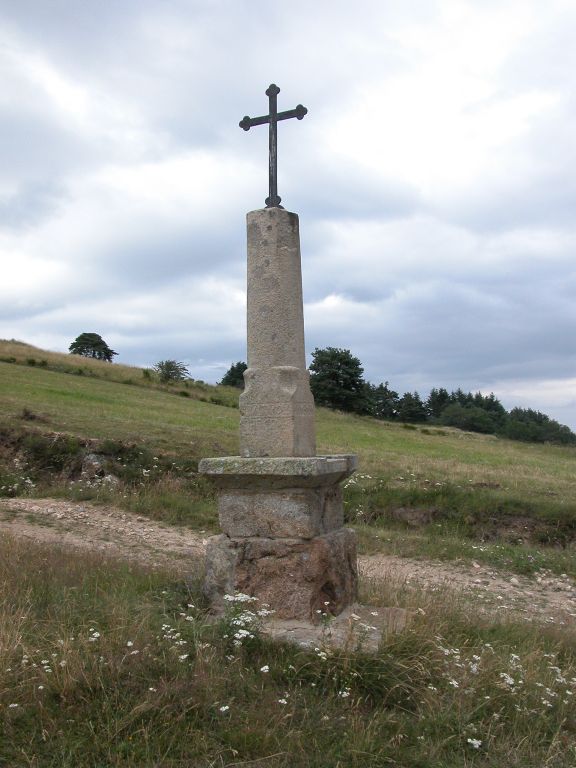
column 411, row 408
column 337, row 380
column 234, row 376
column 92, row 345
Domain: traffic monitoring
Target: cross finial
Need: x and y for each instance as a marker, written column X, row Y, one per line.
column 273, row 200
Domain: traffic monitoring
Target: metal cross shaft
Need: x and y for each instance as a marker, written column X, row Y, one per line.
column 273, row 201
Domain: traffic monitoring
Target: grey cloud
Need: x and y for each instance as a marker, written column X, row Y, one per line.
column 547, row 200
column 35, row 149
column 166, row 260
column 32, row 203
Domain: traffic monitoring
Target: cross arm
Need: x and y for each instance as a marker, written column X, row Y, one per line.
column 298, row 113
column 249, row 122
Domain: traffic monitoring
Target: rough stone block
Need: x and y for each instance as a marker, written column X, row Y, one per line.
column 281, row 514
column 295, row 577
column 277, row 413
column 289, row 513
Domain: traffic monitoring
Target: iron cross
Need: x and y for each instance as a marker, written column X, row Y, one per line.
column 273, row 201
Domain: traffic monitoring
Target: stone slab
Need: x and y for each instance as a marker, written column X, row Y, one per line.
column 295, row 577
column 359, row 628
column 278, row 472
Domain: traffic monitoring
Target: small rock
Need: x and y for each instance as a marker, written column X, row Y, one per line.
column 514, row 581
column 92, row 466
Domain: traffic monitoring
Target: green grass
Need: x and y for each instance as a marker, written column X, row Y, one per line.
column 443, row 542
column 459, row 458
column 19, row 353
column 475, row 487
column 105, row 664
column 98, row 408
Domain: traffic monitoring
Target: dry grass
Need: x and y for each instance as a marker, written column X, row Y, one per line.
column 105, row 664
column 23, row 354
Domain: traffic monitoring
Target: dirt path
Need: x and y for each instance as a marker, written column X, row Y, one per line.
column 107, row 529
column 545, row 598
column 100, row 528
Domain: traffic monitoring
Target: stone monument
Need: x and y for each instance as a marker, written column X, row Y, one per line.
column 279, row 504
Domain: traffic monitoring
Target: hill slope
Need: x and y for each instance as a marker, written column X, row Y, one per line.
column 149, row 438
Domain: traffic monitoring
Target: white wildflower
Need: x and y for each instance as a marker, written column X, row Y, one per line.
column 475, row 743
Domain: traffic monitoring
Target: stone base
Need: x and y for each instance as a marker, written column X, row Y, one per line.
column 297, row 578
column 283, row 538
column 285, row 498
column 359, row 628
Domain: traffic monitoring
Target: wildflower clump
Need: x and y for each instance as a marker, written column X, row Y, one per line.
column 241, row 624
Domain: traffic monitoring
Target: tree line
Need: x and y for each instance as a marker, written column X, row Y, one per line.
column 337, row 381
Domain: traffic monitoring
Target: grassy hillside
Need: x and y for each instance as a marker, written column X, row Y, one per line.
column 428, row 487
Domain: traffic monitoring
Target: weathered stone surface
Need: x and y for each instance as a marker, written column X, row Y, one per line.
column 278, row 472
column 287, row 497
column 357, row 628
column 277, row 413
column 220, row 569
column 274, row 308
column 280, row 505
column 295, row 577
column 291, row 513
column 92, row 466
column 276, row 407
column 285, row 514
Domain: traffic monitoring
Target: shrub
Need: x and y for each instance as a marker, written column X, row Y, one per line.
column 171, row 370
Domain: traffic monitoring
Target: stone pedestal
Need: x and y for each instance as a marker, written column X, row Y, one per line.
column 283, row 540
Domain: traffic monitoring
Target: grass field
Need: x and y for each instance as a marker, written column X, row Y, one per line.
column 103, row 663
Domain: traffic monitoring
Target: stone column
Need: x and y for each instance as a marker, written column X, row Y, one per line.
column 277, row 407
column 279, row 505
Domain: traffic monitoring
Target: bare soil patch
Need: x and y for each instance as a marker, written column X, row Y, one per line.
column 107, row 529
column 545, row 598
column 101, row 528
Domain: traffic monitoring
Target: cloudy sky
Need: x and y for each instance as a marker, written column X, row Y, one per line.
column 434, row 176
